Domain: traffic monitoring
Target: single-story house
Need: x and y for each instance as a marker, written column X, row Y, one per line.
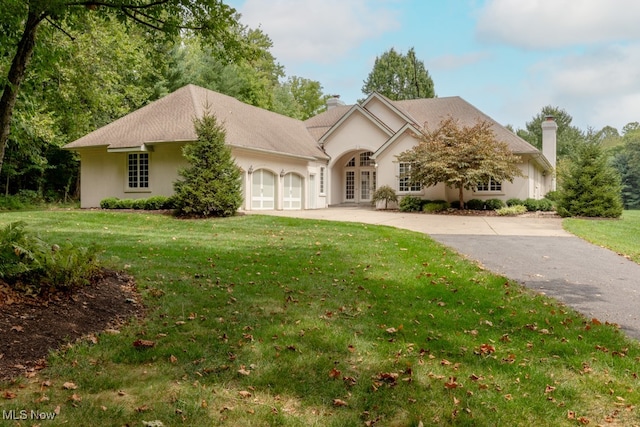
column 339, row 156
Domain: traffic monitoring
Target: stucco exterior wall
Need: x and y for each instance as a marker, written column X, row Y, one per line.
column 384, row 113
column 104, row 174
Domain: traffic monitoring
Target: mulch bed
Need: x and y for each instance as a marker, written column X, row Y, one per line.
column 30, row 327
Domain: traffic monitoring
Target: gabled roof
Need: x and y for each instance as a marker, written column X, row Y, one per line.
column 170, row 119
column 429, row 112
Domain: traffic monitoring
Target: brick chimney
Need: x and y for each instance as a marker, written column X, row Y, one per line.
column 549, row 146
column 334, row 101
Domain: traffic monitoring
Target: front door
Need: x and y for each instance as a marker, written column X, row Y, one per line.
column 350, row 186
column 365, row 185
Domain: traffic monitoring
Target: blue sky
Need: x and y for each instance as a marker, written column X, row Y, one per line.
column 509, row 58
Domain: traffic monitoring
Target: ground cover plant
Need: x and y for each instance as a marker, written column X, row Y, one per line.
column 619, row 235
column 258, row 320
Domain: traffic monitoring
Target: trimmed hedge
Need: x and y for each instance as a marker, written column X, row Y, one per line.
column 151, row 204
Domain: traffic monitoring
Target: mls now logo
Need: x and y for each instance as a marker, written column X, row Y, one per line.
column 27, row 415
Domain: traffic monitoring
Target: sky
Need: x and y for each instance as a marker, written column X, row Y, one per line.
column 509, row 58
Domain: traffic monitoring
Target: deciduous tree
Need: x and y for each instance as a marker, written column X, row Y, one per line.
column 460, row 156
column 399, row 77
column 21, row 21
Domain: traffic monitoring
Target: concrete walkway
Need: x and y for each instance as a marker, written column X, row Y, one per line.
column 536, row 252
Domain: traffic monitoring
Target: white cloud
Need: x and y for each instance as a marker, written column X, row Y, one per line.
column 598, row 87
column 320, row 31
column 542, row 24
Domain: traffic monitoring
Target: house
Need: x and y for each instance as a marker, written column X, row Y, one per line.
column 339, row 156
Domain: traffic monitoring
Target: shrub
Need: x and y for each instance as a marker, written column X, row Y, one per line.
column 32, row 265
column 456, row 205
column 553, row 196
column 384, row 194
column 109, row 203
column 436, row 206
column 155, row 203
column 139, row 204
column 493, row 204
column 545, row 205
column 410, row 204
column 512, row 210
column 515, row 202
column 531, row 204
column 475, row 205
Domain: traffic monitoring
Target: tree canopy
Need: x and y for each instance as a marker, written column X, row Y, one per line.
column 461, row 156
column 22, row 20
column 399, row 77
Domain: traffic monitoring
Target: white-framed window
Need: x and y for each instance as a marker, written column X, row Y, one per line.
column 138, row 171
column 365, row 158
column 322, row 172
column 404, row 181
column 490, row 186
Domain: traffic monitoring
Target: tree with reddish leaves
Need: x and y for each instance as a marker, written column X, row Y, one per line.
column 460, row 156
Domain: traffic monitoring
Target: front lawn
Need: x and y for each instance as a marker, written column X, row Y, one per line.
column 264, row 321
column 620, row 235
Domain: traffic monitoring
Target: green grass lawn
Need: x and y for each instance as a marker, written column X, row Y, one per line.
column 620, row 235
column 264, row 321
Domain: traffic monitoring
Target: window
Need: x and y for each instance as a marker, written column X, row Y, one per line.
column 365, row 158
column 491, row 185
column 138, row 170
column 404, row 178
column 322, row 180
column 351, row 163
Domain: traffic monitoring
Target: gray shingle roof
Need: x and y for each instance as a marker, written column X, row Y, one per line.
column 429, row 112
column 170, row 119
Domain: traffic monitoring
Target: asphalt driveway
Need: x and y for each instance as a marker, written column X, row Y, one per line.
column 536, row 252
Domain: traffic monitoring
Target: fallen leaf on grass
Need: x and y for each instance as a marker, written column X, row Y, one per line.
column 9, row 395
column 75, row 398
column 243, row 371
column 173, row 359
column 339, row 402
column 452, row 383
column 334, row 373
column 143, row 344
column 69, row 386
column 244, row 394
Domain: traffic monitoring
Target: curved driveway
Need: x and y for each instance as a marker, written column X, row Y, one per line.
column 536, row 252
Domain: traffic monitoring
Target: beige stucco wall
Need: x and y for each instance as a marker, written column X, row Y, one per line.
column 384, row 113
column 104, row 174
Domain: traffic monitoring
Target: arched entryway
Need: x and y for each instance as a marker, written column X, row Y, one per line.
column 358, row 177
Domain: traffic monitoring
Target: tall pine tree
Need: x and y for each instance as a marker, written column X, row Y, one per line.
column 210, row 185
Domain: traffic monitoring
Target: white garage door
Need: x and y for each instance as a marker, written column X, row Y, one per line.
column 292, row 197
column 263, row 190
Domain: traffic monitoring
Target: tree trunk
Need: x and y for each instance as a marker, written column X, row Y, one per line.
column 16, row 76
column 461, row 196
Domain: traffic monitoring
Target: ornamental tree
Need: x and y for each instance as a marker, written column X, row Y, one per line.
column 210, row 185
column 460, row 156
